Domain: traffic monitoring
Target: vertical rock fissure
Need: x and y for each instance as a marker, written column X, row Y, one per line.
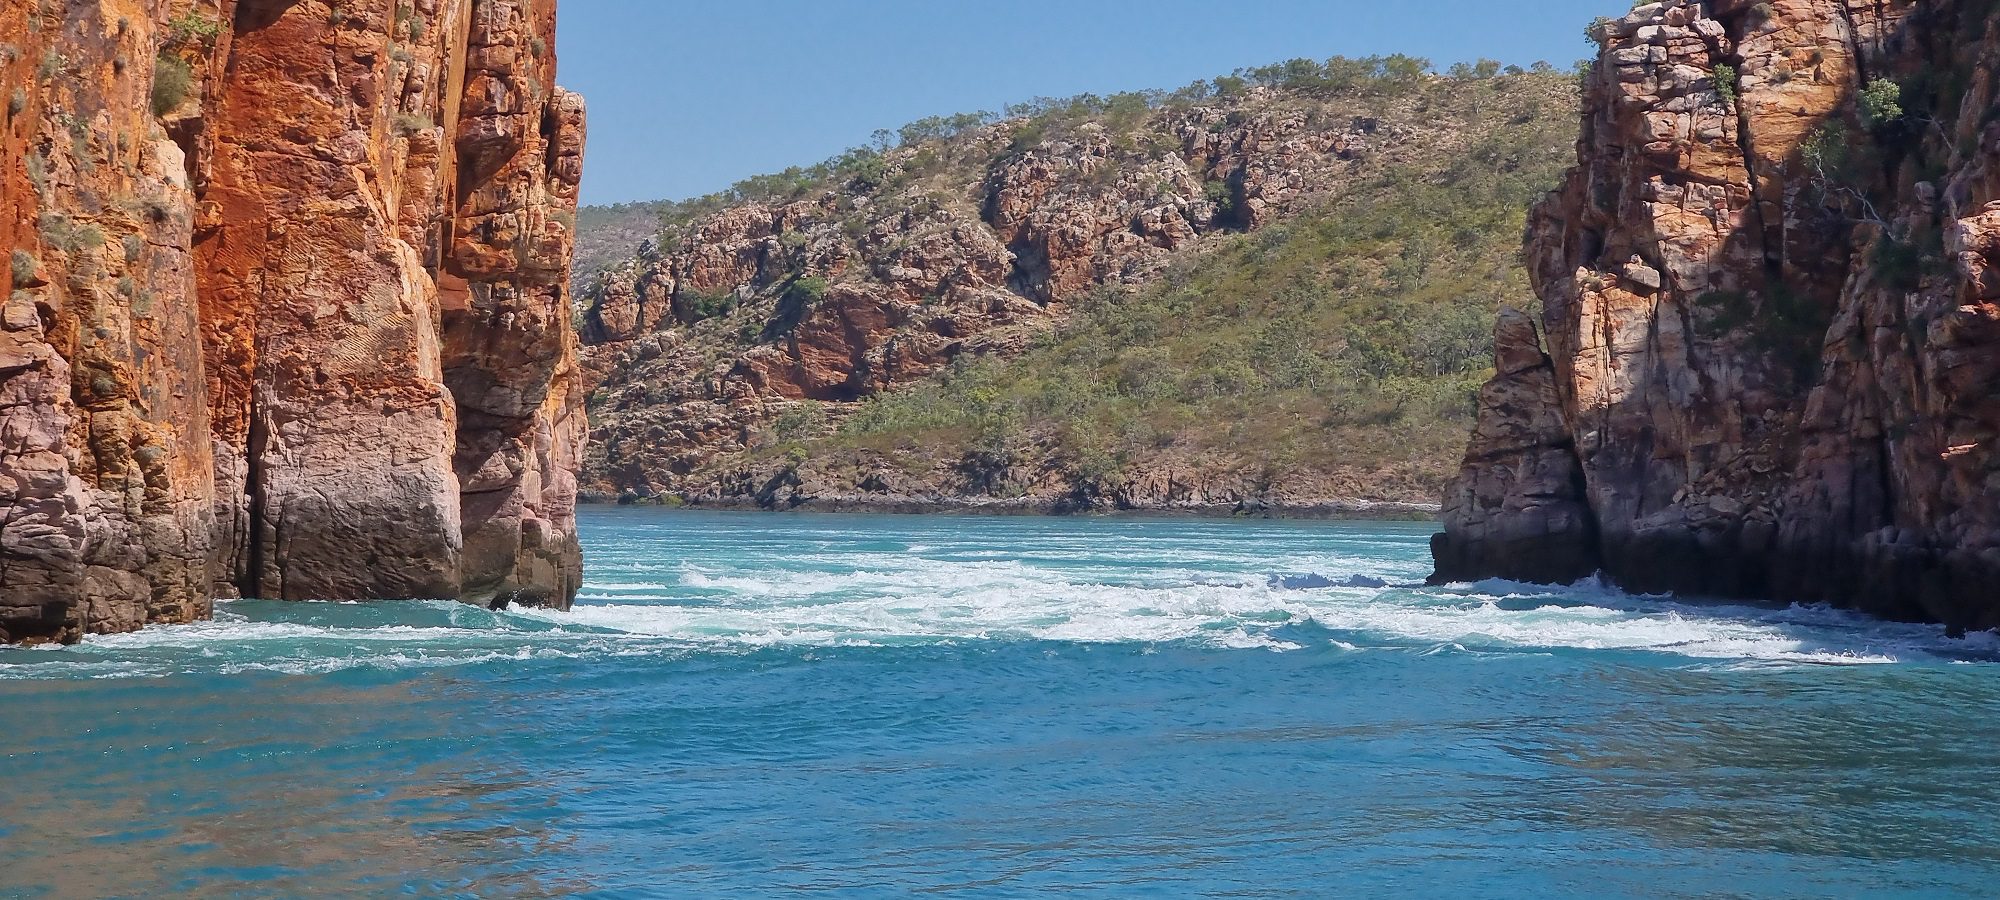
column 1727, row 47
column 255, row 558
column 1853, row 37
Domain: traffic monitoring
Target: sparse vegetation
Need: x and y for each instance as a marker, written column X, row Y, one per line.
column 24, row 268
column 65, row 234
column 407, row 123
column 192, row 29
column 173, row 80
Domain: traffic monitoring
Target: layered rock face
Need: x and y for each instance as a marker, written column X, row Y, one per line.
column 289, row 314
column 1770, row 344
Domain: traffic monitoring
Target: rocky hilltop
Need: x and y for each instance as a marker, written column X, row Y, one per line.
column 1769, row 357
column 288, row 311
column 773, row 347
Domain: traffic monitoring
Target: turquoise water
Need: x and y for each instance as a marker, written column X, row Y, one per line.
column 854, row 706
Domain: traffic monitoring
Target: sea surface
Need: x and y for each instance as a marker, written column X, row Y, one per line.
column 870, row 706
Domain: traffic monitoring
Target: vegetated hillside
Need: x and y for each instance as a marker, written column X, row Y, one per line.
column 1273, row 290
column 606, row 236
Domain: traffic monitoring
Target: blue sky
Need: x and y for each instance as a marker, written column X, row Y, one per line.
column 688, row 96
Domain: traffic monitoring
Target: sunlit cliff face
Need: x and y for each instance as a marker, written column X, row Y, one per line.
column 1769, row 340
column 289, row 312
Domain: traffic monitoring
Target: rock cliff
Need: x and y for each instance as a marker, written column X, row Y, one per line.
column 728, row 351
column 1770, row 336
column 288, row 311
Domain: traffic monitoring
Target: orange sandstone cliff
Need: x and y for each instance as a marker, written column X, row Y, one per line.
column 288, row 311
column 1769, row 357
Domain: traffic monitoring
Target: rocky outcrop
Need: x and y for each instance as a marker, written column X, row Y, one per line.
column 289, row 308
column 1524, row 510
column 955, row 249
column 1770, row 315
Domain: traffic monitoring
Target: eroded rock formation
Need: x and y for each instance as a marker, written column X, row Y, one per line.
column 288, row 312
column 1771, row 319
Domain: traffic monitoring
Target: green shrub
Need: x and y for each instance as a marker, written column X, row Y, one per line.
column 807, row 291
column 1725, row 80
column 1223, row 196
column 1900, row 263
column 864, row 170
column 1881, row 103
column 173, row 80
column 1826, row 148
column 693, row 306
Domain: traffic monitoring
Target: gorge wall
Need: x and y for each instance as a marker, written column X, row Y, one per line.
column 288, row 311
column 1769, row 356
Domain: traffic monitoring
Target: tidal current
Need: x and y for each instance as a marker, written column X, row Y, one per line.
column 876, row 706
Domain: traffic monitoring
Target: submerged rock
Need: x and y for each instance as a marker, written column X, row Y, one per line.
column 289, row 312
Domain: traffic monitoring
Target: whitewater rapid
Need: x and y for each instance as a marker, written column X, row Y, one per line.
column 1345, row 589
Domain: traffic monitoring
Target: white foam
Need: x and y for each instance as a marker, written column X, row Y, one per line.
column 997, row 605
column 648, row 607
